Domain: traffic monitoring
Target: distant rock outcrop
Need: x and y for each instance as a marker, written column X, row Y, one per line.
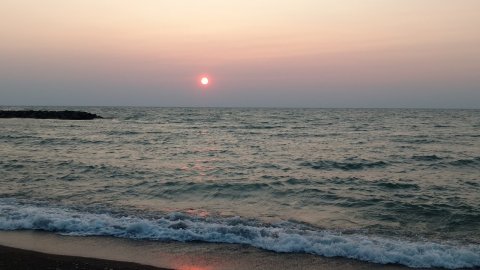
column 63, row 115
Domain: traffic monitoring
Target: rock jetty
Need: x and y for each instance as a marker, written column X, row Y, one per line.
column 63, row 115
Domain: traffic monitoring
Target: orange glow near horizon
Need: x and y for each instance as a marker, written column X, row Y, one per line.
column 259, row 53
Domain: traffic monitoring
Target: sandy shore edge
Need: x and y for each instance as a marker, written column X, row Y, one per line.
column 41, row 250
column 20, row 259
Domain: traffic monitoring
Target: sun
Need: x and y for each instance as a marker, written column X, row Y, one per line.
column 204, row 81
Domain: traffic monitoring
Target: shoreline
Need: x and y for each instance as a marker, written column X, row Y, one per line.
column 22, row 259
column 47, row 249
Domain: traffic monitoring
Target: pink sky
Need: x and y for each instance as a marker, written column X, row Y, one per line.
column 305, row 53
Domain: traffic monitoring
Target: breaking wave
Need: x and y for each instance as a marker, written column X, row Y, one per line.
column 279, row 237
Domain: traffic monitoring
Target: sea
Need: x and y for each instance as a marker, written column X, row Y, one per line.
column 389, row 186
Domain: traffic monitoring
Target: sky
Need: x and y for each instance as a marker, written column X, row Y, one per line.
column 256, row 53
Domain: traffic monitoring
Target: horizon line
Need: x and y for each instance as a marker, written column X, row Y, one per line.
column 249, row 107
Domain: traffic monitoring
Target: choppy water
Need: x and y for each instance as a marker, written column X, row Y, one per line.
column 384, row 185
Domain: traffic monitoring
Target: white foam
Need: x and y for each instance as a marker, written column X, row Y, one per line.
column 284, row 237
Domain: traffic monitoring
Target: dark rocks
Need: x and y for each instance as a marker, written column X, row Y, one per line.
column 63, row 115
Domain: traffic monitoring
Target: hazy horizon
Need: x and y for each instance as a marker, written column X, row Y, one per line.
column 239, row 107
column 307, row 54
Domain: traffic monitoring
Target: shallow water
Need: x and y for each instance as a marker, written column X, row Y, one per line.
column 383, row 185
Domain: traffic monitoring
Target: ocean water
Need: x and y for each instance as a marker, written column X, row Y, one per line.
column 379, row 185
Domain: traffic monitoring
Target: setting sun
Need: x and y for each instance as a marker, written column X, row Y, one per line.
column 204, row 81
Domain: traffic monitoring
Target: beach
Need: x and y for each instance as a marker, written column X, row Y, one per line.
column 19, row 259
column 239, row 135
column 34, row 250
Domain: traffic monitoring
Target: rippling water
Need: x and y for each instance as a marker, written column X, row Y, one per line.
column 383, row 185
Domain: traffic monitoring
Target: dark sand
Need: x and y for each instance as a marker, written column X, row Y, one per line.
column 19, row 259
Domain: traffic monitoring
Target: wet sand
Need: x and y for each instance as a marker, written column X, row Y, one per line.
column 32, row 250
column 19, row 259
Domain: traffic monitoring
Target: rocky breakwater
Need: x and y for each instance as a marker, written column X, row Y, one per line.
column 63, row 115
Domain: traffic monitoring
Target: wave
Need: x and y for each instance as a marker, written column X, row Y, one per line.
column 466, row 162
column 459, row 163
column 426, row 158
column 344, row 166
column 279, row 237
column 393, row 185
